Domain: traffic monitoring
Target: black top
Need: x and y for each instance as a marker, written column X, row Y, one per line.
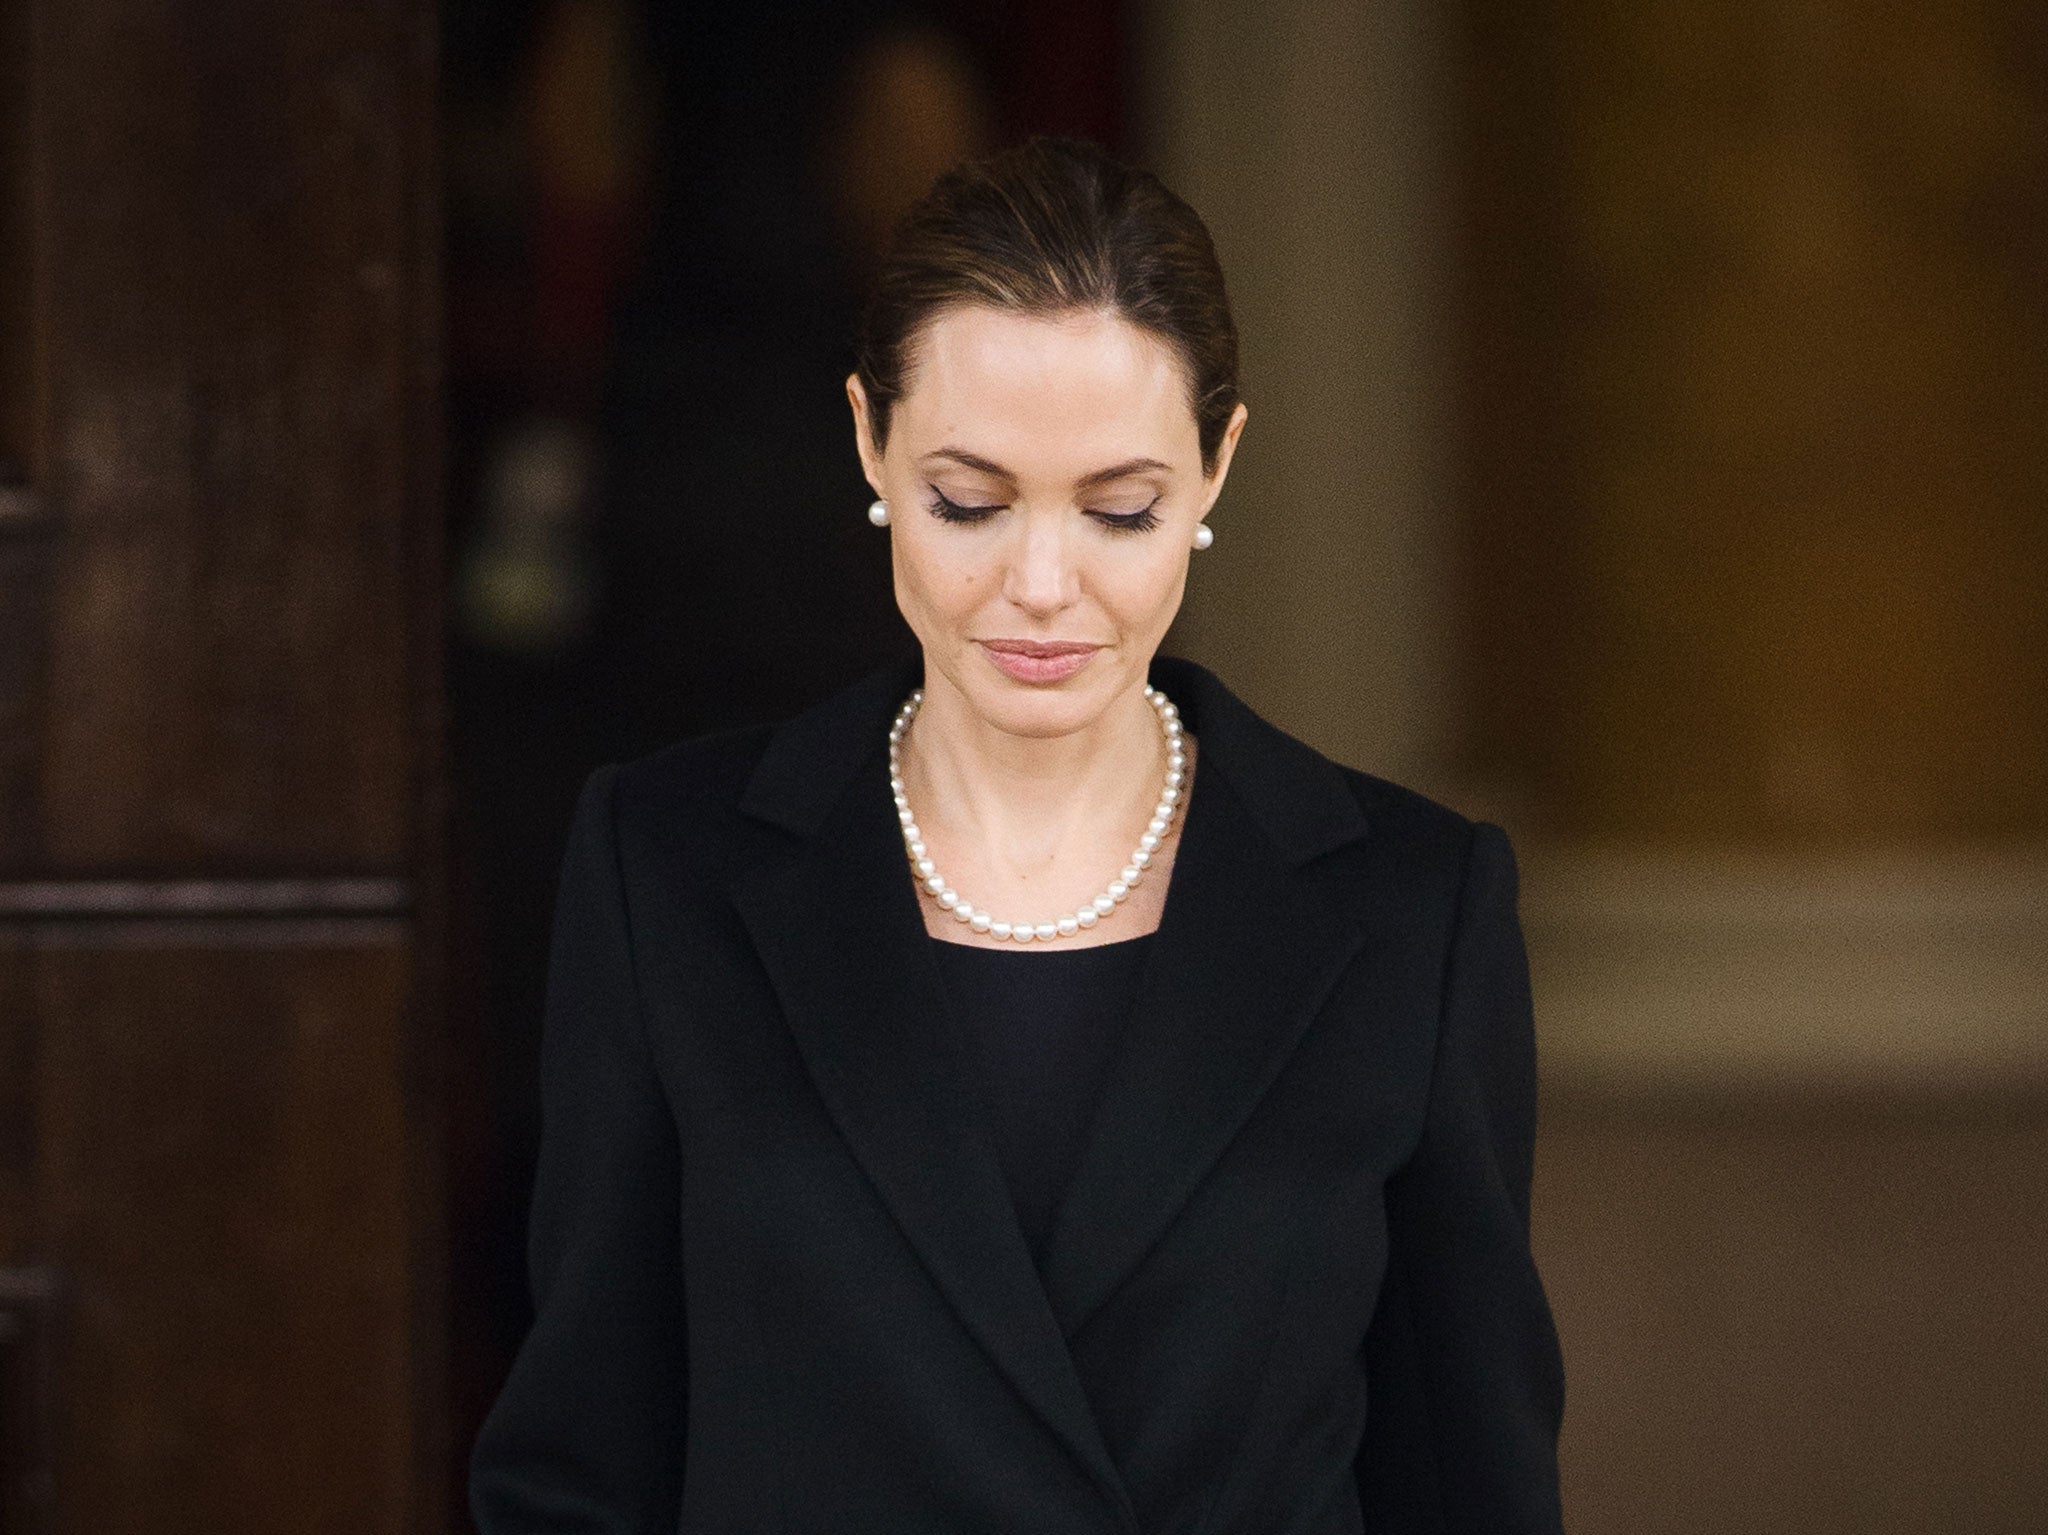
column 778, row 1277
column 1040, row 1028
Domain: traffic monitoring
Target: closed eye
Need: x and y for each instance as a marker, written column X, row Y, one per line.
column 1144, row 520
column 949, row 510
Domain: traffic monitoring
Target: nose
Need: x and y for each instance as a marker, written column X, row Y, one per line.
column 1042, row 577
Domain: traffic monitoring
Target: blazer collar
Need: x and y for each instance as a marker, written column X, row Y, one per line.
column 1297, row 796
column 1251, row 941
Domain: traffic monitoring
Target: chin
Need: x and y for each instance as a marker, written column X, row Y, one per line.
column 1045, row 718
column 1026, row 710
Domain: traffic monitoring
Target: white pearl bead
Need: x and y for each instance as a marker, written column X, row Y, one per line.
column 1087, row 916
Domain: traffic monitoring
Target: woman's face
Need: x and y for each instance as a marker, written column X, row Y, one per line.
column 1044, row 480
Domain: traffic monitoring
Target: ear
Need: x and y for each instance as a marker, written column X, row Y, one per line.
column 864, row 434
column 1225, row 450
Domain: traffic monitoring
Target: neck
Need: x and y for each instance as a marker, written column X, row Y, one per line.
column 1026, row 799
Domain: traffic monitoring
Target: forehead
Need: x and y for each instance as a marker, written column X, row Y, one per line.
column 1075, row 385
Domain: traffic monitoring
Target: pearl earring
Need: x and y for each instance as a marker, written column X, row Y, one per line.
column 1204, row 536
column 878, row 514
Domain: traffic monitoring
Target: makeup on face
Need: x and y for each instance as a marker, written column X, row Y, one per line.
column 1039, row 663
column 1054, row 465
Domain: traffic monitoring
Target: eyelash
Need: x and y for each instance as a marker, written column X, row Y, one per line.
column 1142, row 521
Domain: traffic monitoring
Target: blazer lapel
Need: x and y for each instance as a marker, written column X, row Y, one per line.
column 836, row 922
column 1247, row 949
column 1250, row 944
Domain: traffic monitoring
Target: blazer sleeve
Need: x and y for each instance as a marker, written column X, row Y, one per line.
column 587, row 1434
column 1465, row 1384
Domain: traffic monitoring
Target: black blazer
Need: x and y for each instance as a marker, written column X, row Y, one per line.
column 780, row 1286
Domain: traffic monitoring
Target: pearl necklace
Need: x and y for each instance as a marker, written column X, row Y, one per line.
column 1073, row 922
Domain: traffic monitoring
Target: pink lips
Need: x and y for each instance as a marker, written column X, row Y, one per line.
column 1039, row 661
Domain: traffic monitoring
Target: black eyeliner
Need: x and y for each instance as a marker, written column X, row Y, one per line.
column 949, row 510
column 1143, row 520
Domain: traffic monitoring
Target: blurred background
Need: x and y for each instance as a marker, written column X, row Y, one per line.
column 404, row 410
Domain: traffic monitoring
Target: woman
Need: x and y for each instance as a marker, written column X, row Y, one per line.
column 1008, row 1097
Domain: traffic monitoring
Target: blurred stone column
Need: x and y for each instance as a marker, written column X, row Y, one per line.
column 1309, row 134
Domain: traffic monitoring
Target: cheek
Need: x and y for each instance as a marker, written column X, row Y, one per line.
column 942, row 584
column 1146, row 594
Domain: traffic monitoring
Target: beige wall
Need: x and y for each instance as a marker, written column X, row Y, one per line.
column 1307, row 133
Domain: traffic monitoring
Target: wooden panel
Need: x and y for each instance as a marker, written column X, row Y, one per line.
column 28, row 1387
column 23, row 549
column 219, row 745
column 24, row 568
column 17, row 1102
column 225, row 1172
column 17, row 373
column 234, row 367
column 1784, row 578
column 1800, row 1317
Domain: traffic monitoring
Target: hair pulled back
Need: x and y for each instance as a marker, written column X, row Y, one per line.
column 1047, row 228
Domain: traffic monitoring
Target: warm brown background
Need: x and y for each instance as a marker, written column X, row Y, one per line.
column 1759, row 342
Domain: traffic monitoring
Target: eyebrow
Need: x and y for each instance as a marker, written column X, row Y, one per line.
column 1129, row 466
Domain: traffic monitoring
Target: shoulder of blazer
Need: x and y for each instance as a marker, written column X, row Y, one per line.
column 682, row 809
column 1402, row 817
column 1307, row 802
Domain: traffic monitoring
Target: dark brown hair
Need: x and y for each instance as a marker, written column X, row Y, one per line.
column 1046, row 228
